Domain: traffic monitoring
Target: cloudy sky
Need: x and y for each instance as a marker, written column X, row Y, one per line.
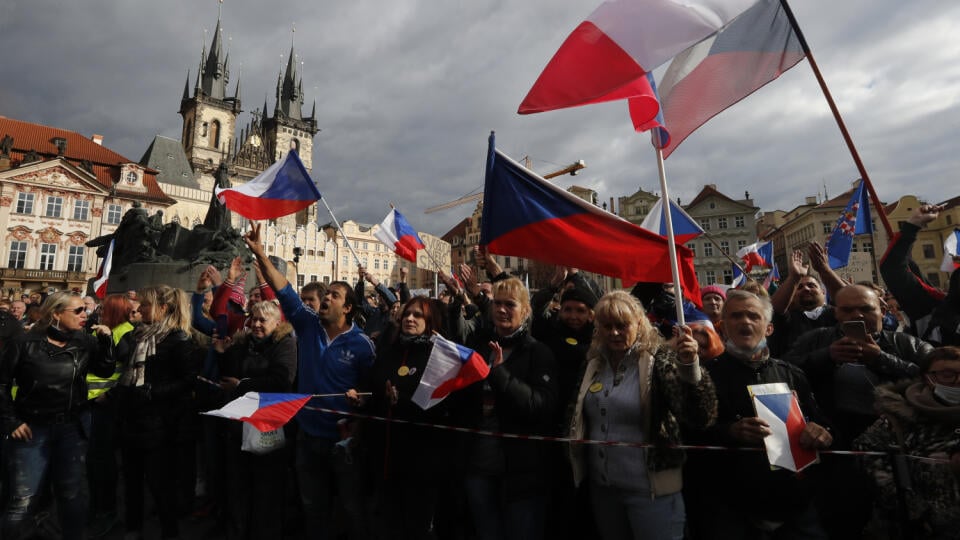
column 408, row 90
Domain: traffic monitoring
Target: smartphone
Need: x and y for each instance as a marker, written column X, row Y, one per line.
column 223, row 328
column 856, row 330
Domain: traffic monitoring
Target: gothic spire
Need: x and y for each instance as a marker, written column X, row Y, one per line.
column 186, row 87
column 215, row 70
column 291, row 94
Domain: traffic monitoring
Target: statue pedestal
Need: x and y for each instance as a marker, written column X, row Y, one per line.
column 140, row 275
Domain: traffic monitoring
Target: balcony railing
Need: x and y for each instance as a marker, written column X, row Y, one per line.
column 42, row 275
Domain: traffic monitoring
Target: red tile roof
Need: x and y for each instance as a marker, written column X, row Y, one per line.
column 106, row 163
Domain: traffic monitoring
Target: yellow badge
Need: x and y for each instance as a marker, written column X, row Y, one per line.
column 403, row 371
column 596, row 387
column 572, row 341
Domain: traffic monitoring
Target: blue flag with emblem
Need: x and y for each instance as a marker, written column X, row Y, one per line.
column 854, row 220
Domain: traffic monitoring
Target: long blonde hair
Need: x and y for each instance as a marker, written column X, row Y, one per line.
column 177, row 316
column 623, row 306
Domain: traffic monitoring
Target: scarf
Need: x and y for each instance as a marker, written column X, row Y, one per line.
column 147, row 337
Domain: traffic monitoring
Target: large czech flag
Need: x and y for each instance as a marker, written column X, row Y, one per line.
column 284, row 188
column 608, row 55
column 777, row 405
column 527, row 216
column 264, row 411
column 396, row 233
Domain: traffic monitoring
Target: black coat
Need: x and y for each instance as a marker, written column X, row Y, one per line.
column 161, row 411
column 52, row 380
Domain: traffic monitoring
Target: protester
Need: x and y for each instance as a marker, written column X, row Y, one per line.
column 635, row 389
column 736, row 493
column 919, row 420
column 507, row 480
column 48, row 425
column 102, row 469
column 156, row 408
column 713, row 297
column 408, row 463
column 332, row 355
column 264, row 359
column 376, row 315
column 18, row 309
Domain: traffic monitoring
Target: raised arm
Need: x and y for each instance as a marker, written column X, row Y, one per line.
column 784, row 295
column 270, row 273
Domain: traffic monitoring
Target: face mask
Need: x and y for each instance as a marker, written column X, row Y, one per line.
column 755, row 353
column 949, row 394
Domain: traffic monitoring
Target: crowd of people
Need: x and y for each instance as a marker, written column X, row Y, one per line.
column 601, row 417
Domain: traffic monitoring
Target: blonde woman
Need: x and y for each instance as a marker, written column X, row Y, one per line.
column 156, row 408
column 47, row 424
column 635, row 389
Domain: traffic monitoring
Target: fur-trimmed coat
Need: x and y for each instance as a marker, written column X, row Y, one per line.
column 671, row 394
column 269, row 366
column 924, row 428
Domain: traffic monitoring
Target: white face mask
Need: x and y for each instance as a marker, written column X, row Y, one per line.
column 949, row 394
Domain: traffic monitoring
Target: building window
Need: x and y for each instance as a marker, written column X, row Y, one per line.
column 48, row 255
column 215, row 134
column 933, row 278
column 949, row 220
column 741, row 244
column 81, row 210
column 115, row 212
column 713, row 205
column 300, row 278
column 75, row 259
column 326, row 280
column 346, row 243
column 928, row 252
column 313, row 278
column 725, row 246
column 827, row 227
column 707, row 249
column 853, row 247
column 692, row 246
column 346, row 260
column 727, row 277
column 25, row 203
column 376, row 264
column 721, row 223
column 739, row 222
column 711, row 276
column 365, row 246
column 54, row 206
column 705, row 224
column 18, row 254
column 506, row 262
column 867, row 247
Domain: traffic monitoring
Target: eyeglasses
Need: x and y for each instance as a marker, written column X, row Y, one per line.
column 945, row 376
column 77, row 310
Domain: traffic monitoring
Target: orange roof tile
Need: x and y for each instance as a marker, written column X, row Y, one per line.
column 106, row 163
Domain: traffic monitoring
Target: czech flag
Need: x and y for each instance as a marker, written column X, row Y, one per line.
column 607, row 56
column 647, row 115
column 396, row 233
column 756, row 254
column 685, row 228
column 284, row 188
column 950, row 260
column 264, row 411
column 738, row 277
column 103, row 274
column 526, row 216
column 716, row 73
column 449, row 368
column 777, row 405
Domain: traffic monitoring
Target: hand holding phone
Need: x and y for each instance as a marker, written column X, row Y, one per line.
column 855, row 330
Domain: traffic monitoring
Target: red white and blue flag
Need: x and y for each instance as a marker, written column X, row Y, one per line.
column 951, row 259
column 756, row 254
column 396, row 233
column 647, row 115
column 777, row 405
column 855, row 219
column 685, row 228
column 738, row 277
column 526, row 216
column 716, row 73
column 264, row 411
column 284, row 188
column 772, row 277
column 607, row 56
column 449, row 368
column 103, row 274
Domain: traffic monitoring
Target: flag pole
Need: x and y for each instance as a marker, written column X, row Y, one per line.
column 725, row 254
column 671, row 246
column 343, row 234
column 836, row 115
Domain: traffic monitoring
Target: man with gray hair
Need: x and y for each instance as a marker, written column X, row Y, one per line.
column 720, row 483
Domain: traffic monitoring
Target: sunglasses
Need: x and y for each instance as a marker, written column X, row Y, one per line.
column 78, row 310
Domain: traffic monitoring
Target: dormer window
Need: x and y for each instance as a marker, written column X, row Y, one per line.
column 132, row 177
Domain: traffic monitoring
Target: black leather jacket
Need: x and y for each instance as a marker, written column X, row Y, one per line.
column 52, row 380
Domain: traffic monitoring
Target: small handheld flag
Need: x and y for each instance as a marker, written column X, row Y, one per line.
column 685, row 228
column 776, row 404
column 950, row 256
column 264, row 411
column 854, row 220
column 449, row 368
column 103, row 274
column 396, row 233
column 284, row 188
column 756, row 254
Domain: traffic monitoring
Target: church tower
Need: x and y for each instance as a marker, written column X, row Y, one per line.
column 210, row 116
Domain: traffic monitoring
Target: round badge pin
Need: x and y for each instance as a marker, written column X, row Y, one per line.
column 572, row 341
column 403, row 371
column 596, row 387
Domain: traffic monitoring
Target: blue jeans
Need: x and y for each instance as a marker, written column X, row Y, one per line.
column 624, row 514
column 324, row 467
column 497, row 518
column 57, row 453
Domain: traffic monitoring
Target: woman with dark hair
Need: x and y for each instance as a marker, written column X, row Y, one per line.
column 156, row 405
column 48, row 424
column 102, row 469
column 407, row 462
column 922, row 419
